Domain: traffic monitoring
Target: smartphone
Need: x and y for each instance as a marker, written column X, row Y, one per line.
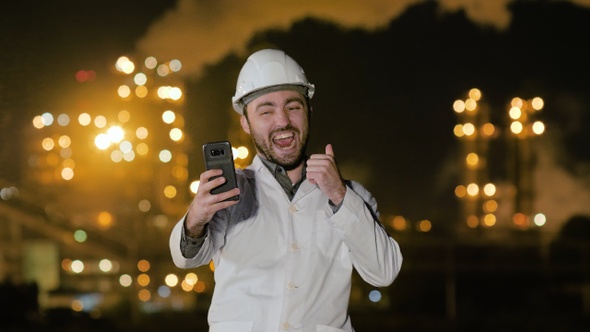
column 218, row 155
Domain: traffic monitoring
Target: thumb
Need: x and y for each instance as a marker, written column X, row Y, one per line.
column 329, row 150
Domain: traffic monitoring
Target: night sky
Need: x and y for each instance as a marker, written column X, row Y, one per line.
column 385, row 82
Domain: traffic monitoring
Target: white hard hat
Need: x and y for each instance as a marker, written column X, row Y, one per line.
column 269, row 70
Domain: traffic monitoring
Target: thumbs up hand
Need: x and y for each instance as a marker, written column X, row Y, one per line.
column 323, row 171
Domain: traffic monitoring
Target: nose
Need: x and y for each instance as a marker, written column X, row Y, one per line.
column 282, row 118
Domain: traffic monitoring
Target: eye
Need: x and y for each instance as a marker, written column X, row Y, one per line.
column 265, row 112
column 294, row 107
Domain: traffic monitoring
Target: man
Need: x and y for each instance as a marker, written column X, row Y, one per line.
column 284, row 252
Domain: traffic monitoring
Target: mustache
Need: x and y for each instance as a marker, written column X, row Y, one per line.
column 285, row 128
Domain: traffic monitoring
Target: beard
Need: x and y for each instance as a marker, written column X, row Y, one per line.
column 288, row 162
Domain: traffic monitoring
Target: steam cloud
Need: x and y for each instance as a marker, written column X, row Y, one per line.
column 200, row 32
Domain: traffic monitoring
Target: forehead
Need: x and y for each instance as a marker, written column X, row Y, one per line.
column 278, row 97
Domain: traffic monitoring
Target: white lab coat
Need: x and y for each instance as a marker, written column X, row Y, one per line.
column 285, row 265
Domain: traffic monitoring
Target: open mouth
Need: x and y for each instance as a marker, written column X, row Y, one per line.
column 284, row 140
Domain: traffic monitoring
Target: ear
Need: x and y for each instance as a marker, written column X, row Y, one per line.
column 245, row 124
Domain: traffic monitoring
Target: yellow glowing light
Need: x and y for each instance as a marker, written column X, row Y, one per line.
column 489, row 220
column 125, row 65
column 472, row 189
column 142, row 149
column 140, row 79
column 141, row 91
column 124, row 91
column 212, row 266
column 399, row 223
column 194, row 186
column 470, row 105
column 164, row 92
column 540, row 219
column 47, row 119
column 424, row 226
column 150, row 62
column 468, row 129
column 77, row 266
column 102, row 141
column 515, row 113
column 517, row 102
column 163, row 70
column 124, row 116
column 105, row 265
column 170, row 191
column 144, row 205
column 520, row 220
column 84, row 119
column 200, row 287
column 490, row 206
column 64, row 141
column 176, row 134
column 144, row 295
column 117, row 156
column 141, row 133
column 129, row 155
column 38, row 122
column 48, row 144
column 516, row 127
column 77, row 306
column 165, row 156
column 168, row 116
column 458, row 130
column 472, row 221
column 115, row 134
column 143, row 265
column 67, row 173
column 125, row 146
column 488, row 129
column 191, row 278
column 171, row 280
column 538, row 127
column 100, row 121
column 66, row 264
column 175, row 65
column 175, row 93
column 472, row 159
column 66, row 153
column 125, row 280
column 186, row 286
column 460, row 191
column 104, row 219
column 475, row 94
column 537, row 103
column 459, row 106
column 489, row 189
column 243, row 152
column 63, row 119
column 143, row 279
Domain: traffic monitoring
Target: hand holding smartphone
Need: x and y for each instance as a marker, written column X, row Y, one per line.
column 218, row 155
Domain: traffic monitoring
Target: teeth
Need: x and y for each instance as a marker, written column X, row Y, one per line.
column 282, row 136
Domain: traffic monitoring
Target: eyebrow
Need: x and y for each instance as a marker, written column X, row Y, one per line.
column 290, row 100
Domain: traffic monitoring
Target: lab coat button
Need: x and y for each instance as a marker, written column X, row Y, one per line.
column 291, row 285
column 293, row 209
column 294, row 247
column 286, row 326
